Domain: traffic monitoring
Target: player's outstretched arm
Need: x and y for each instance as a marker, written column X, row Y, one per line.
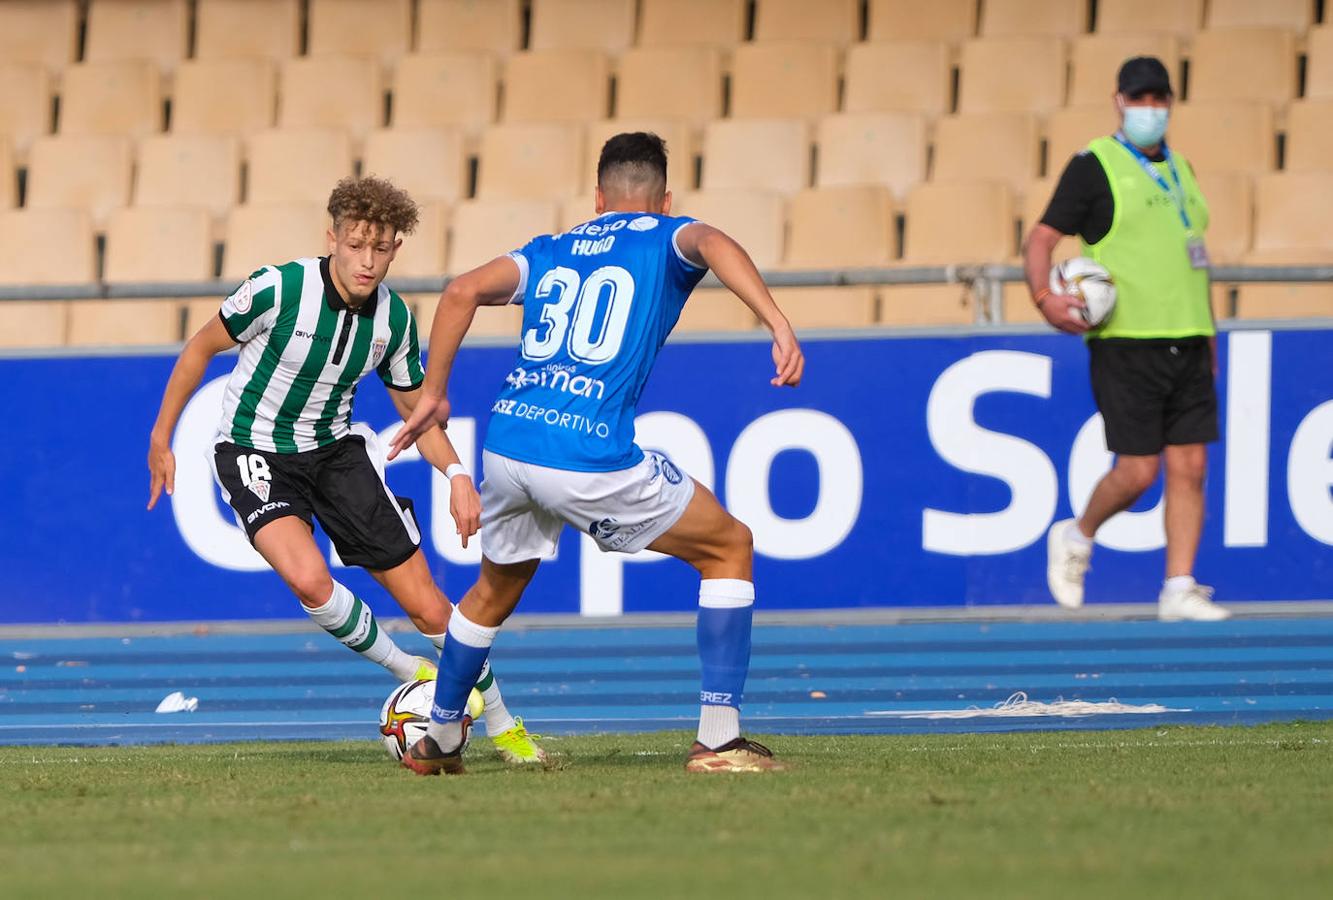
column 438, row 450
column 1060, row 310
column 706, row 246
column 207, row 343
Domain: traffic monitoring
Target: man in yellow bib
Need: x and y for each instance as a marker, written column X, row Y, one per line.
column 1138, row 211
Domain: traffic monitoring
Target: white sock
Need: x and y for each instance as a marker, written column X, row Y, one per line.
column 497, row 715
column 1177, row 584
column 1076, row 538
column 351, row 621
column 436, row 639
column 718, row 725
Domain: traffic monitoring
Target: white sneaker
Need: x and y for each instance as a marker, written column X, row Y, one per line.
column 1190, row 605
column 1066, row 565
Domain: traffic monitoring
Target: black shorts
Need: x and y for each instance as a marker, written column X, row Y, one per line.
column 338, row 483
column 1152, row 393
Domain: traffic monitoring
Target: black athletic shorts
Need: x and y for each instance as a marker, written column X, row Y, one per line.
column 338, row 483
column 1152, row 393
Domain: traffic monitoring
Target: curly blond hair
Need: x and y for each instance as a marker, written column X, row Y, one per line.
column 374, row 200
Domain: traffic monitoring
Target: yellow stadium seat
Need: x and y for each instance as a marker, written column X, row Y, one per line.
column 787, row 78
column 1292, row 212
column 224, row 96
column 1057, row 18
column 1319, row 71
column 445, row 89
column 715, row 310
column 525, row 161
column 841, row 226
column 1230, row 198
column 872, row 148
column 46, row 246
column 998, row 145
column 1310, row 136
column 428, row 163
column 111, row 98
column 1224, row 137
column 606, row 25
column 1286, row 300
column 757, row 154
column 490, row 322
column 189, row 170
column 827, row 307
column 153, row 30
column 484, row 229
column 167, row 243
column 831, row 21
column 341, row 92
column 33, row 323
column 754, row 218
column 1095, row 59
column 1035, row 200
column 1033, row 80
column 87, row 173
column 670, row 82
column 1018, row 306
column 576, row 210
column 297, row 167
column 199, row 313
column 230, row 29
column 925, row 305
column 8, row 177
column 583, row 77
column 354, row 28
column 671, row 23
column 422, row 252
column 898, row 76
column 1297, row 15
column 679, row 143
column 959, row 222
column 25, row 104
column 1179, row 18
column 272, row 235
column 493, row 26
column 43, row 32
column 1268, row 73
column 124, row 323
column 911, row 20
column 1069, row 130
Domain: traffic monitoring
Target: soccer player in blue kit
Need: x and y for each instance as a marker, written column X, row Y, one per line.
column 599, row 301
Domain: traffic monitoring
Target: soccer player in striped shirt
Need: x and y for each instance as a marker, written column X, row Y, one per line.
column 287, row 453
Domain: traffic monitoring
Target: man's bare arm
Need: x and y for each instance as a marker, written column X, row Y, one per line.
column 1060, row 310
column 438, row 450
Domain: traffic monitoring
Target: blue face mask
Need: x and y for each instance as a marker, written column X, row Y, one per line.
column 1145, row 126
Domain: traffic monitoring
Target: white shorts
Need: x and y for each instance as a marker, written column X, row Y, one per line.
column 524, row 506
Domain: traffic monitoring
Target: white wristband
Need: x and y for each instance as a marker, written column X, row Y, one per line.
column 455, row 470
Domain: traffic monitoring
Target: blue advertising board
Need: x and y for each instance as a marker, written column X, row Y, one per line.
column 905, row 471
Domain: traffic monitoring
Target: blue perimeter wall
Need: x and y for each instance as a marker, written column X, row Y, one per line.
column 906, row 471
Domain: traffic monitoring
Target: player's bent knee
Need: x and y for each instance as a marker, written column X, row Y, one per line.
column 313, row 589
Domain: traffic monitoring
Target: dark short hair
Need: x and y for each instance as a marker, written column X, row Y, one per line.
column 634, row 155
column 373, row 200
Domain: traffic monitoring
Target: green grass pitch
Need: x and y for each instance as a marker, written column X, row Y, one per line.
column 1206, row 812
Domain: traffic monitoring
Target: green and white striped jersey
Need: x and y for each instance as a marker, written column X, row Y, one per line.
column 303, row 352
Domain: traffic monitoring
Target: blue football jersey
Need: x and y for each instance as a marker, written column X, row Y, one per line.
column 598, row 302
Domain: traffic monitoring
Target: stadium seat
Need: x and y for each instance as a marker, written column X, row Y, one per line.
column 841, row 226
column 199, row 312
column 1094, row 60
column 673, row 23
column 124, row 323
column 46, row 246
column 342, row 92
column 1230, row 198
column 25, row 105
column 490, row 322
column 33, row 323
column 872, row 148
column 481, row 230
column 422, row 252
column 579, row 209
column 1292, row 212
column 1034, row 75
column 42, row 32
column 997, row 145
column 898, row 76
column 1309, row 146
column 679, row 141
column 606, row 25
column 1319, row 71
column 297, row 167
column 1284, row 300
column 693, row 91
column 827, row 307
column 1036, row 198
column 429, row 163
column 1224, row 137
column 86, row 173
column 167, row 243
column 758, row 154
column 527, row 161
column 754, row 218
column 959, row 222
column 1069, row 130
column 189, row 170
column 911, row 20
column 271, row 235
column 1055, row 18
column 715, row 309
column 493, row 26
column 445, row 89
column 8, row 176
column 1297, row 15
column 224, row 96
column 349, row 27
column 583, row 77
column 153, row 30
column 226, row 29
column 1179, row 18
column 111, row 98
column 784, row 79
column 1269, row 72
column 922, row 305
column 829, row 21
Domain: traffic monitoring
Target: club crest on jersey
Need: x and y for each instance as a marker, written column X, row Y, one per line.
column 243, row 298
column 604, row 529
column 260, row 489
column 377, row 348
column 643, row 223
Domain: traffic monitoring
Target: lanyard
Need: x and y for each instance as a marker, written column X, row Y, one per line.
column 1177, row 195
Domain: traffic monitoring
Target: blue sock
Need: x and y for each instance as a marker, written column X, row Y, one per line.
column 466, row 647
column 726, row 610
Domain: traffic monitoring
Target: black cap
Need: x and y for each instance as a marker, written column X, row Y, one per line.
column 1143, row 75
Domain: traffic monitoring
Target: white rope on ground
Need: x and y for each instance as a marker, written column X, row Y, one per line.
column 1018, row 704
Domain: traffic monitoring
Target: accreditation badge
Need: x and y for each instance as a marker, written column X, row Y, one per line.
column 1198, row 253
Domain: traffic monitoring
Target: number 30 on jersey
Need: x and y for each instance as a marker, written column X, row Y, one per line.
column 571, row 315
